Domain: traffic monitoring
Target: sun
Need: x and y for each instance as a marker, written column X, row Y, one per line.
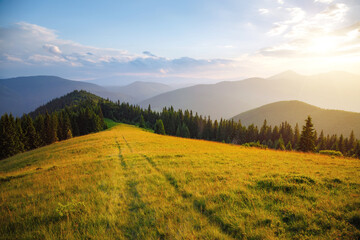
column 324, row 45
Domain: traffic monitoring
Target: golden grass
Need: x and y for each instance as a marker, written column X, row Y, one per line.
column 126, row 183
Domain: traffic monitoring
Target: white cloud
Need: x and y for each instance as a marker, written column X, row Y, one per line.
column 324, row 1
column 294, row 15
column 278, row 29
column 314, row 41
column 297, row 15
column 52, row 48
column 28, row 44
column 280, row 1
column 263, row 11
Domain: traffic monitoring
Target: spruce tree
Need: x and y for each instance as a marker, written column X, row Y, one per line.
column 341, row 144
column 40, row 130
column 31, row 138
column 9, row 138
column 185, row 131
column 178, row 131
column 159, row 127
column 351, row 143
column 281, row 144
column 296, row 137
column 142, row 122
column 20, row 135
column 307, row 138
column 289, row 146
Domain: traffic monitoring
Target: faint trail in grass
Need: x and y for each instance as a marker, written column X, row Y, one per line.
column 142, row 221
column 199, row 205
column 127, row 144
column 123, row 163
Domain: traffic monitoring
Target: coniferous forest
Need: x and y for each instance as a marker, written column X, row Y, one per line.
column 79, row 113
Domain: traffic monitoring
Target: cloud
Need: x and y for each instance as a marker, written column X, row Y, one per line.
column 147, row 53
column 324, row 1
column 313, row 41
column 52, row 49
column 37, row 49
column 280, row 1
column 278, row 29
column 263, row 11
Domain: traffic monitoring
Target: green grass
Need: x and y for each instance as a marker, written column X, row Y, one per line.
column 126, row 183
column 110, row 123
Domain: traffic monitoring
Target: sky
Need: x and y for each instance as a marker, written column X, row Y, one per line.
column 202, row 40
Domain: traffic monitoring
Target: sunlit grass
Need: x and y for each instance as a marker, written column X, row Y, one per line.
column 126, row 183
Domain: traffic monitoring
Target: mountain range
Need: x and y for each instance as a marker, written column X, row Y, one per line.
column 140, row 91
column 295, row 112
column 24, row 94
column 335, row 90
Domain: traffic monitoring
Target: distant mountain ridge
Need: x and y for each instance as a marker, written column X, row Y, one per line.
column 330, row 121
column 140, row 91
column 335, row 90
column 24, row 94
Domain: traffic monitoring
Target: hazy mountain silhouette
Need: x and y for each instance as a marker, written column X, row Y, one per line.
column 24, row 94
column 335, row 90
column 139, row 91
column 331, row 121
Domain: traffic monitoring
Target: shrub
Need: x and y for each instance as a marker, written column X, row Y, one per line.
column 255, row 144
column 331, row 153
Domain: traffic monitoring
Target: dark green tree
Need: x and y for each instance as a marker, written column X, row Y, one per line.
column 31, row 138
column 307, row 138
column 296, row 140
column 9, row 138
column 142, row 122
column 185, row 131
column 159, row 127
column 289, row 146
column 281, row 144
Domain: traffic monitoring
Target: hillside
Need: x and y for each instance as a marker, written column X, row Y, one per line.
column 71, row 99
column 24, row 94
column 140, row 91
column 331, row 121
column 127, row 183
column 334, row 90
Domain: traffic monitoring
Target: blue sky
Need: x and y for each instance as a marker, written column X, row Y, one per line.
column 228, row 39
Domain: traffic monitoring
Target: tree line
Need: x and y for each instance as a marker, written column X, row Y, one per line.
column 80, row 113
column 189, row 125
column 22, row 134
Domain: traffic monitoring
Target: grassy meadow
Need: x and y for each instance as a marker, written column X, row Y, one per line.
column 127, row 183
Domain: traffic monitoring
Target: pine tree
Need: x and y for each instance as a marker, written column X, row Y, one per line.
column 296, row 137
column 341, row 144
column 142, row 122
column 9, row 138
column 66, row 127
column 357, row 150
column 20, row 135
column 159, row 127
column 40, row 129
column 307, row 138
column 351, row 143
column 321, row 142
column 185, row 131
column 31, row 138
column 50, row 123
column 289, row 146
column 178, row 131
column 281, row 144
